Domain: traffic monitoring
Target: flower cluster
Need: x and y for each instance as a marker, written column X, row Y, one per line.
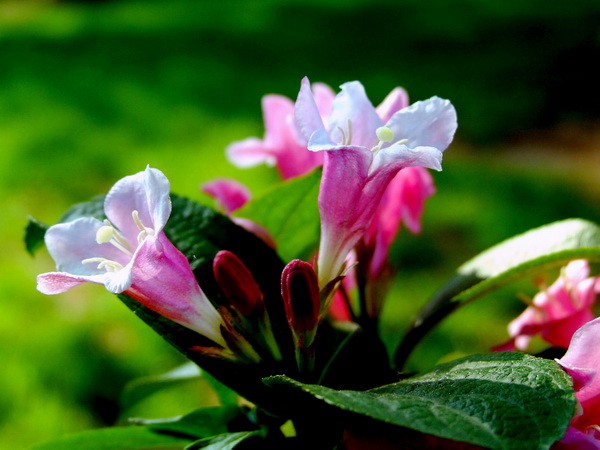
column 374, row 177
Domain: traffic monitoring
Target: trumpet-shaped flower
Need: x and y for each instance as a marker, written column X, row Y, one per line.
column 362, row 155
column 558, row 311
column 282, row 146
column 582, row 363
column 130, row 253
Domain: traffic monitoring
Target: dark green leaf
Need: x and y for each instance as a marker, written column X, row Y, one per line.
column 34, row 235
column 499, row 401
column 117, row 438
column 223, row 442
column 539, row 249
column 290, row 212
column 92, row 208
column 141, row 388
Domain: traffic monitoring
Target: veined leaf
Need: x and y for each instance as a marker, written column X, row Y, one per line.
column 498, row 401
column 290, row 212
column 539, row 249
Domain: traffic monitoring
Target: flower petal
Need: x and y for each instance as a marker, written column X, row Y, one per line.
column 250, row 152
column 58, row 282
column 147, row 193
column 584, row 353
column 72, row 242
column 393, row 102
column 308, row 117
column 429, row 123
column 352, row 109
column 229, row 194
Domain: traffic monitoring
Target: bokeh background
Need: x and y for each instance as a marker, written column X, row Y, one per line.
column 91, row 91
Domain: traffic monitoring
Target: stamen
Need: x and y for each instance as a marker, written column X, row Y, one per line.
column 106, row 264
column 384, row 134
column 343, row 135
column 104, row 234
column 349, row 133
column 144, row 231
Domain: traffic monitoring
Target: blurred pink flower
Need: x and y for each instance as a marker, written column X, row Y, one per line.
column 582, row 362
column 558, row 311
column 362, row 155
column 282, row 146
column 230, row 195
column 130, row 253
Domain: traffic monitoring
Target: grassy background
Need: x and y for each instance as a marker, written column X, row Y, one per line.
column 93, row 91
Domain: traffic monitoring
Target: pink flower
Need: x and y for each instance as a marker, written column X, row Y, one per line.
column 582, row 362
column 130, row 253
column 231, row 195
column 283, row 146
column 558, row 311
column 362, row 155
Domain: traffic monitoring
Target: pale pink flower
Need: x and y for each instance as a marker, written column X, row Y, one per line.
column 582, row 363
column 129, row 253
column 282, row 146
column 558, row 311
column 362, row 155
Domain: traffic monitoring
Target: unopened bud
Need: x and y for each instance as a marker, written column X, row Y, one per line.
column 236, row 282
column 300, row 292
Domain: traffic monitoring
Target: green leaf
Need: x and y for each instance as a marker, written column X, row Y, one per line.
column 141, row 388
column 34, row 235
column 92, row 208
column 552, row 245
column 117, row 438
column 290, row 212
column 223, row 442
column 498, row 401
column 201, row 423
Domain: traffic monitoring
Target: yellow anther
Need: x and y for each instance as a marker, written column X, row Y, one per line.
column 104, row 234
column 384, row 134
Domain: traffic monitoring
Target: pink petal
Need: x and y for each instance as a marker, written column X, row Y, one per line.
column 308, row 117
column 58, row 282
column 584, row 353
column 229, row 194
column 250, row 152
column 395, row 101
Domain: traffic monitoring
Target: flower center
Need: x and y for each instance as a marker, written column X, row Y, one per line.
column 109, row 234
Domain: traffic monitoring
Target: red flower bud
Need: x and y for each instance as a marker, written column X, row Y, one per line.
column 237, row 283
column 300, row 292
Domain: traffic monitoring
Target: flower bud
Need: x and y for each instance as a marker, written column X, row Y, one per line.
column 237, row 283
column 300, row 292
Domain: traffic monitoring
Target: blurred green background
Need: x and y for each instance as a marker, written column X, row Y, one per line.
column 93, row 91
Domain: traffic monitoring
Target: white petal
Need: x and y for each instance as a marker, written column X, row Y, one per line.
column 430, row 123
